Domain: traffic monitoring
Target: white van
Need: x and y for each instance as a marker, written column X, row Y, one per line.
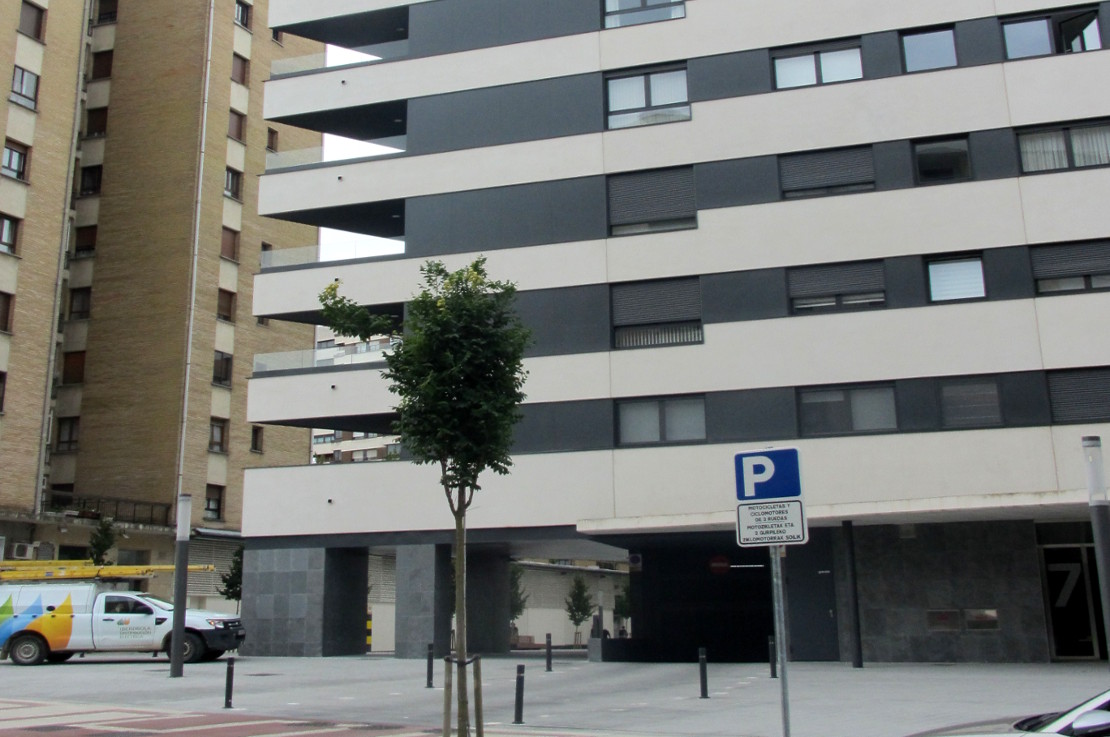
column 53, row 621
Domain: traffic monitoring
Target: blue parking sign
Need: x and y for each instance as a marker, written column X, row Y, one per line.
column 768, row 474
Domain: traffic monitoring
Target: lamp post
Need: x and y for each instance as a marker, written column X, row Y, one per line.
column 180, row 581
column 1099, row 504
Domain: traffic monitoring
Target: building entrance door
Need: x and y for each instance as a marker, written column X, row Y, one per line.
column 1072, row 599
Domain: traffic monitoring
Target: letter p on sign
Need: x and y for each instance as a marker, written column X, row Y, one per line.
column 756, row 470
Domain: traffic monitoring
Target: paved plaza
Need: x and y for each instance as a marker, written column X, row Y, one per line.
column 379, row 695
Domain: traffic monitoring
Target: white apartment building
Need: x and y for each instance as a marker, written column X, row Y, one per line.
column 873, row 231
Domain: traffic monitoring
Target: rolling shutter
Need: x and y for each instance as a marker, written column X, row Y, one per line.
column 651, row 196
column 1081, row 395
column 820, row 281
column 1073, row 259
column 674, row 300
column 827, row 169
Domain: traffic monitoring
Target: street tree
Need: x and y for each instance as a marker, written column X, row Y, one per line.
column 579, row 606
column 233, row 579
column 102, row 540
column 459, row 378
column 517, row 598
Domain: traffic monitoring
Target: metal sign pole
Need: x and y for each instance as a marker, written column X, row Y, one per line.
column 780, row 633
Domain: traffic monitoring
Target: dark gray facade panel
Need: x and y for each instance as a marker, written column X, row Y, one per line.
column 344, row 607
column 737, row 182
column 457, row 25
column 1008, row 273
column 560, row 427
column 979, row 42
column 544, row 109
column 425, row 600
column 916, row 403
column 894, row 167
column 566, row 321
column 905, row 282
column 1104, row 23
column 559, row 211
column 755, row 414
column 882, row 55
column 1024, row 399
column 994, row 154
column 729, row 75
column 744, row 295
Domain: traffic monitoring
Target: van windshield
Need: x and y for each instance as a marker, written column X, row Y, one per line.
column 160, row 603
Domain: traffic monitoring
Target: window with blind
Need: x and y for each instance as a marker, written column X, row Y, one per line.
column 73, row 367
column 7, row 301
column 1080, row 395
column 967, row 403
column 229, row 244
column 1065, row 32
column 846, row 410
column 1066, row 147
column 958, row 278
column 646, row 97
column 840, row 62
column 836, row 287
column 668, row 420
column 1071, row 267
column 827, row 172
column 651, row 201
column 658, row 313
column 620, row 13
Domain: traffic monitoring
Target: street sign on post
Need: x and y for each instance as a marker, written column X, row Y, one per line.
column 769, row 509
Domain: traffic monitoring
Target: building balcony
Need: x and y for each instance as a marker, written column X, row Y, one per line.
column 132, row 511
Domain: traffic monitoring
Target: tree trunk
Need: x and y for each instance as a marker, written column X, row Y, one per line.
column 460, row 616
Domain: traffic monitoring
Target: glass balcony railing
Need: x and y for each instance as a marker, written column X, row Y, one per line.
column 335, row 149
column 340, row 57
column 368, row 247
column 119, row 510
column 340, row 355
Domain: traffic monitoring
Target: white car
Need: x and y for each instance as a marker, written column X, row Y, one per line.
column 1089, row 719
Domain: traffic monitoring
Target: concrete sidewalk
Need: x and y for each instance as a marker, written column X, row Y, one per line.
column 577, row 698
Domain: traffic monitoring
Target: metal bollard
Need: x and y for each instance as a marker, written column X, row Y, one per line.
column 548, row 652
column 772, row 657
column 431, row 666
column 479, row 719
column 518, row 712
column 229, row 684
column 704, row 673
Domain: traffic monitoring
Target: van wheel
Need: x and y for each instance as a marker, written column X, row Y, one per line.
column 58, row 657
column 28, row 650
column 194, row 648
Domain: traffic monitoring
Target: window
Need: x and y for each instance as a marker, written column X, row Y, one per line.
column 3, row 385
column 329, row 438
column 96, row 122
column 1068, row 147
column 1065, row 32
column 213, row 501
column 15, row 160
column 648, row 201
column 233, row 183
column 67, row 434
column 271, row 139
column 243, row 13
column 85, row 240
column 25, row 87
column 646, row 98
column 225, row 305
column 221, row 369
column 101, row 65
column 970, row 403
column 836, row 411
column 1071, row 267
column 217, row 435
column 329, row 343
column 673, row 420
column 836, row 287
column 229, row 244
column 6, row 303
column 30, row 20
column 9, row 231
column 91, row 179
column 237, row 126
column 106, row 12
column 798, row 68
column 632, row 12
column 256, row 438
column 1079, row 395
column 658, row 313
column 73, row 367
column 929, row 50
column 240, row 69
column 942, row 160
column 277, row 35
column 80, row 303
column 956, row 279
column 827, row 172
